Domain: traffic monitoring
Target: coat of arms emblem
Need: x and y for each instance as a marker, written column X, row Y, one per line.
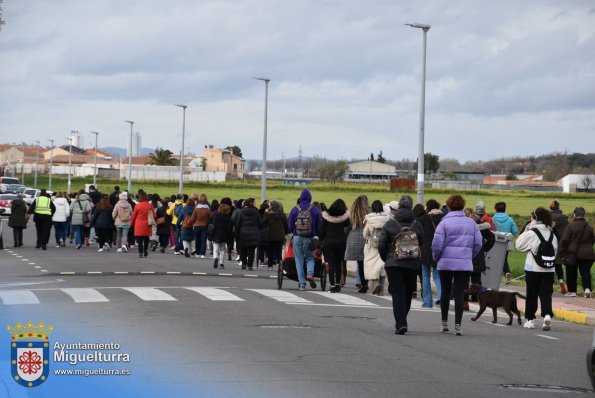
column 29, row 353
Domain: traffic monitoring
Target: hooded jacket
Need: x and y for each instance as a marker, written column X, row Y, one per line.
column 304, row 202
column 222, row 227
column 248, row 226
column 578, row 237
column 405, row 218
column 457, row 241
column 140, row 218
column 504, row 223
column 275, row 225
column 102, row 218
column 529, row 242
column 62, row 210
column 80, row 206
column 120, row 206
column 373, row 264
column 18, row 214
column 332, row 228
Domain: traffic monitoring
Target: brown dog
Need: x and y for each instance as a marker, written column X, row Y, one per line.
column 495, row 299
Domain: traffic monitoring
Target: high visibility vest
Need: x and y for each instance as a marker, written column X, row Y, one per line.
column 42, row 206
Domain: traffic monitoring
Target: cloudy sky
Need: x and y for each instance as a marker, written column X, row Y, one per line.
column 503, row 78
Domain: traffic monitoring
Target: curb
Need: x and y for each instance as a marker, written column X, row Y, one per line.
column 574, row 317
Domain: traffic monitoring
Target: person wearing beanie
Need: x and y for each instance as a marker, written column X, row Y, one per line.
column 122, row 214
column 480, row 211
column 576, row 250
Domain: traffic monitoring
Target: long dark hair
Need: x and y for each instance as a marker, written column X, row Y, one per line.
column 543, row 215
column 338, row 208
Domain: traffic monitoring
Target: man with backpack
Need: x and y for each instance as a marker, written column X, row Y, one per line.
column 176, row 211
column 540, row 243
column 400, row 249
column 303, row 223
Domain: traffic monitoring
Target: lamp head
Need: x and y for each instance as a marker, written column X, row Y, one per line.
column 264, row 79
column 419, row 25
column 182, row 106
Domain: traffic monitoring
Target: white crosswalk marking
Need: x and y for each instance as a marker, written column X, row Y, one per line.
column 85, row 295
column 215, row 294
column 345, row 299
column 150, row 294
column 415, row 304
column 280, row 295
column 12, row 297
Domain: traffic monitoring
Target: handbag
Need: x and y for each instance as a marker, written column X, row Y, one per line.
column 86, row 219
column 150, row 218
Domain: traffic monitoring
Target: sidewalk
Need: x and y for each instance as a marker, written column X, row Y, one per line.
column 571, row 309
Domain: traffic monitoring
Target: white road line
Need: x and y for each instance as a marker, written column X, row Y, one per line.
column 280, row 295
column 345, row 299
column 11, row 297
column 19, row 256
column 83, row 295
column 547, row 337
column 215, row 294
column 342, row 306
column 150, row 294
column 33, row 264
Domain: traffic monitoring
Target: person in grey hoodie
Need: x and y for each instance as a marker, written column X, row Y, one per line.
column 80, row 209
column 122, row 214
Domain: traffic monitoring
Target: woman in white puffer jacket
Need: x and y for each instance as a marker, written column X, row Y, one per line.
column 59, row 219
column 539, row 280
column 373, row 264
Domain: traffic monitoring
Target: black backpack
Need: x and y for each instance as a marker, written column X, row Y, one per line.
column 546, row 253
column 406, row 243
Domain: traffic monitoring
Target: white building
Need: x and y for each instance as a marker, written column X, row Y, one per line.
column 369, row 170
column 573, row 182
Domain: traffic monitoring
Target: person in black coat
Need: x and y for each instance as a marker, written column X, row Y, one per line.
column 247, row 232
column 426, row 254
column 18, row 219
column 261, row 251
column 163, row 229
column 401, row 273
column 227, row 201
column 275, row 228
column 479, row 261
column 103, row 222
column 220, row 232
column 334, row 240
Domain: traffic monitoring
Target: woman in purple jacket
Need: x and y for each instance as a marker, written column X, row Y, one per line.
column 456, row 241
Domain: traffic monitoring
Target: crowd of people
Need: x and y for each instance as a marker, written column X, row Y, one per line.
column 395, row 242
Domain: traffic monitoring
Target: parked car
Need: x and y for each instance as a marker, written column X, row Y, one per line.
column 6, row 181
column 14, row 188
column 30, row 194
column 5, row 200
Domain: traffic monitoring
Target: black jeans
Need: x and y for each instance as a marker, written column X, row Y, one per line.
column 584, row 267
column 461, row 278
column 274, row 250
column 360, row 270
column 559, row 271
column 43, row 225
column 334, row 253
column 247, row 255
column 103, row 236
column 143, row 244
column 17, row 234
column 506, row 268
column 401, row 285
column 539, row 285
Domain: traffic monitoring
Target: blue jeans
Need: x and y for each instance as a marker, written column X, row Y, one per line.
column 200, row 234
column 79, row 234
column 301, row 248
column 60, row 231
column 426, row 286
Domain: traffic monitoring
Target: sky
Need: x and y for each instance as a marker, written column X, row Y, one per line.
column 503, row 78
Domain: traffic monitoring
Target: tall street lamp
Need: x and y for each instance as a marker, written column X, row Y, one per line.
column 130, row 157
column 51, row 164
column 420, row 156
column 95, row 167
column 263, row 184
column 36, row 157
column 181, row 186
column 69, row 161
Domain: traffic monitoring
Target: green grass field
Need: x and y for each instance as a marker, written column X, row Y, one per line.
column 519, row 204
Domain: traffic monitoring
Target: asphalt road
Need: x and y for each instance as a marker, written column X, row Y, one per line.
column 191, row 334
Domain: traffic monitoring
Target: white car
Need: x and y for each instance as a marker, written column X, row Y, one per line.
column 30, row 194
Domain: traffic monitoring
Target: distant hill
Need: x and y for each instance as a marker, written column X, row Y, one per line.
column 121, row 152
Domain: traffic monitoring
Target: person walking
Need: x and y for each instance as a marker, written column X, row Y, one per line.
column 355, row 239
column 80, row 210
column 334, row 222
column 222, row 229
column 187, row 227
column 60, row 219
column 275, row 226
column 399, row 246
column 261, row 249
column 457, row 241
column 373, row 264
column 576, row 247
column 201, row 215
column 539, row 280
column 143, row 229
column 18, row 219
column 163, row 225
column 504, row 223
column 428, row 265
column 175, row 211
column 42, row 209
column 559, row 224
column 103, row 223
column 122, row 214
column 247, row 230
column 303, row 224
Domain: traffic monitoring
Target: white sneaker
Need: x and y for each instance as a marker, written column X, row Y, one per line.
column 119, row 250
column 587, row 293
column 529, row 324
column 106, row 247
column 547, row 323
column 570, row 294
column 202, row 256
column 124, row 249
column 100, row 249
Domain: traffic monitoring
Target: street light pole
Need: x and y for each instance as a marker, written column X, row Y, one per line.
column 36, row 157
column 181, row 185
column 263, row 184
column 69, row 161
column 420, row 156
column 95, row 167
column 130, row 157
column 51, row 164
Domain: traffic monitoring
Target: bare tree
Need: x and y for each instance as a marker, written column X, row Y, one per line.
column 587, row 181
column 1, row 20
